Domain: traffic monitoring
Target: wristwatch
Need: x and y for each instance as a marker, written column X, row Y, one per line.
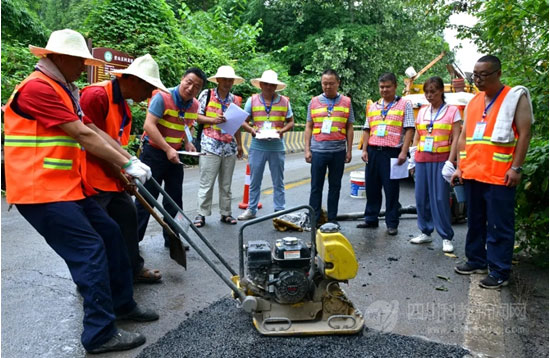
column 517, row 169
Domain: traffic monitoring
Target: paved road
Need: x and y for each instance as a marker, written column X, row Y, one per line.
column 397, row 287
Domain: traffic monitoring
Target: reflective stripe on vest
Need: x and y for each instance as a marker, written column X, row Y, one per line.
column 97, row 173
column 393, row 122
column 441, row 134
column 171, row 126
column 483, row 160
column 212, row 110
column 339, row 118
column 43, row 165
column 277, row 116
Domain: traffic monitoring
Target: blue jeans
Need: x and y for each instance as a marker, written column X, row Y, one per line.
column 377, row 176
column 432, row 200
column 257, row 160
column 320, row 162
column 163, row 171
column 93, row 248
column 491, row 231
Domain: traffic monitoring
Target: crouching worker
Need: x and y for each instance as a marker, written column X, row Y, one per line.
column 104, row 104
column 45, row 178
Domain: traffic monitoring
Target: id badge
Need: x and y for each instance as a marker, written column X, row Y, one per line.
column 381, row 130
column 479, row 130
column 188, row 134
column 267, row 126
column 327, row 125
column 429, row 144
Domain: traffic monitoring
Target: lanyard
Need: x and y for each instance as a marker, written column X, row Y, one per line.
column 181, row 112
column 267, row 109
column 330, row 106
column 490, row 104
column 432, row 119
column 75, row 102
column 125, row 119
column 224, row 102
column 385, row 111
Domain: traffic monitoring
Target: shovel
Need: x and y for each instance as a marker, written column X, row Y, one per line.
column 177, row 251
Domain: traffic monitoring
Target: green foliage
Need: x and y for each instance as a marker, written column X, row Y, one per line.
column 17, row 64
column 532, row 203
column 18, row 23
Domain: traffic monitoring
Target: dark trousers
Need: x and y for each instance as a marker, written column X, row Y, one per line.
column 92, row 246
column 490, row 237
column 121, row 208
column 320, row 162
column 165, row 172
column 377, row 176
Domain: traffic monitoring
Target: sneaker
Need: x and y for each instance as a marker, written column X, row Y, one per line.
column 139, row 314
column 391, row 231
column 421, row 239
column 448, row 246
column 121, row 341
column 466, row 269
column 492, row 282
column 247, row 215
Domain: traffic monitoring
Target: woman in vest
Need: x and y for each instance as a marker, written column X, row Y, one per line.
column 223, row 148
column 437, row 129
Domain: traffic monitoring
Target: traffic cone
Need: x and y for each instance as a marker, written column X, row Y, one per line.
column 244, row 203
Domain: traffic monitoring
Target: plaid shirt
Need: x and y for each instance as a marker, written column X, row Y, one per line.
column 408, row 121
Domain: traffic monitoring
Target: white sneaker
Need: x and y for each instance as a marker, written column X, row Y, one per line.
column 247, row 215
column 448, row 246
column 421, row 239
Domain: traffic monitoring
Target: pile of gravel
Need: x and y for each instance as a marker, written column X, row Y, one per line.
column 223, row 330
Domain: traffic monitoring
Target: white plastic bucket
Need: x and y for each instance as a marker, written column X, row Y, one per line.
column 357, row 184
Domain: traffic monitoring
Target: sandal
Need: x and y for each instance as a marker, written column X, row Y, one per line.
column 228, row 219
column 199, row 221
column 148, row 276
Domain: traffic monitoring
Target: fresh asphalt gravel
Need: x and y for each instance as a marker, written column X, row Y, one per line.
column 224, row 330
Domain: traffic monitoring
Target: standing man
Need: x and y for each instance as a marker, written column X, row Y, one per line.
column 492, row 146
column 167, row 125
column 269, row 112
column 104, row 104
column 45, row 178
column 330, row 124
column 222, row 148
column 388, row 132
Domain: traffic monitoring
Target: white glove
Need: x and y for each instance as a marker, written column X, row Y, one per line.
column 142, row 165
column 448, row 171
column 412, row 163
column 412, row 151
column 136, row 171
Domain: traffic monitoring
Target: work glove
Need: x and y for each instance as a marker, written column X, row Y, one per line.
column 448, row 171
column 142, row 165
column 412, row 162
column 136, row 171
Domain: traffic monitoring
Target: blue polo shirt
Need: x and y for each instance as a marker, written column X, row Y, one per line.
column 156, row 107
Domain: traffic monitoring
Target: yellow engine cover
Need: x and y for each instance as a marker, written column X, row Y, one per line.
column 337, row 254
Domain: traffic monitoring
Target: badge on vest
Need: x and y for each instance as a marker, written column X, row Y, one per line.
column 188, row 134
column 429, row 144
column 479, row 130
column 267, row 126
column 381, row 130
column 327, row 125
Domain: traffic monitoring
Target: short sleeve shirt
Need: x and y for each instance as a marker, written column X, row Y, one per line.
column 408, row 118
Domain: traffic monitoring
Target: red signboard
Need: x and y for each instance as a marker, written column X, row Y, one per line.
column 115, row 60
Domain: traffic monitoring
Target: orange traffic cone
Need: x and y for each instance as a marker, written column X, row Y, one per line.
column 244, row 203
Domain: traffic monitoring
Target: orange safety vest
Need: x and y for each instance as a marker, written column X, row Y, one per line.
column 441, row 133
column 97, row 175
column 339, row 118
column 43, row 165
column 393, row 122
column 483, row 160
column 277, row 115
column 174, row 120
column 213, row 109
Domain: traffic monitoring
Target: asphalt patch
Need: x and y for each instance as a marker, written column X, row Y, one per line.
column 223, row 330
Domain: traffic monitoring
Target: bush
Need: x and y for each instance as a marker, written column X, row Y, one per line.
column 532, row 203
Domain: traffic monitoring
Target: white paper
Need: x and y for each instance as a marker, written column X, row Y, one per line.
column 398, row 171
column 267, row 134
column 235, row 117
column 193, row 154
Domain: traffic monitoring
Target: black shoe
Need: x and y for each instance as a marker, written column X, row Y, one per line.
column 121, row 341
column 139, row 314
column 492, row 282
column 391, row 231
column 466, row 269
column 368, row 225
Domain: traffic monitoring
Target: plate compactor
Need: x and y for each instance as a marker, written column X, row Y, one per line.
column 291, row 287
